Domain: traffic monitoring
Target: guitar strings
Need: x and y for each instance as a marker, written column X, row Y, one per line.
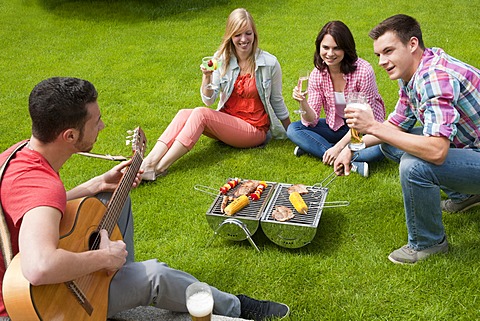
column 82, row 286
column 116, row 204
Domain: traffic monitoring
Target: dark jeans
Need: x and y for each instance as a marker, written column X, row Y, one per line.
column 316, row 140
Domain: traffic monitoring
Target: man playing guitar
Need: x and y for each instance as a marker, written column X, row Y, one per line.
column 66, row 119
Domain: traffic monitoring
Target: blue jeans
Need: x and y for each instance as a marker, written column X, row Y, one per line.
column 421, row 182
column 317, row 140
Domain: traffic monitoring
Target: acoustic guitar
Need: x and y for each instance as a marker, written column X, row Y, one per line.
column 85, row 298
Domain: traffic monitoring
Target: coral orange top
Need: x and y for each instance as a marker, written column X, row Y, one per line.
column 245, row 103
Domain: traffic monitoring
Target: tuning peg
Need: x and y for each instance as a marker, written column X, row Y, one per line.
column 128, row 142
column 130, row 132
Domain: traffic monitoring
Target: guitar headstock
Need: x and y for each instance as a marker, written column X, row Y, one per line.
column 138, row 140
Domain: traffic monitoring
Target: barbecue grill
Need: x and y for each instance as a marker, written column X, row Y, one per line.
column 301, row 229
column 294, row 233
column 247, row 218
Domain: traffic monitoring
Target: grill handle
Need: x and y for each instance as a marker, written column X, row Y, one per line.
column 326, row 180
column 332, row 204
column 206, row 189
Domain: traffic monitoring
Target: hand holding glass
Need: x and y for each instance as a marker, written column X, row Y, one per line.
column 211, row 63
column 356, row 100
column 303, row 87
column 199, row 301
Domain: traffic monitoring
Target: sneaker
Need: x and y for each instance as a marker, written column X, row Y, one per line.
column 361, row 168
column 407, row 255
column 451, row 206
column 257, row 310
column 298, row 151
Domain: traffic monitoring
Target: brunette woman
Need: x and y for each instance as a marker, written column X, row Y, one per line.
column 338, row 71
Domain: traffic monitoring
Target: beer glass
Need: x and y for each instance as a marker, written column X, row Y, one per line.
column 199, row 301
column 356, row 100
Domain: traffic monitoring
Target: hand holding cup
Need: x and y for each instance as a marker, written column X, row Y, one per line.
column 359, row 101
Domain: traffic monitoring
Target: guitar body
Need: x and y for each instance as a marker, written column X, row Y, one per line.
column 57, row 302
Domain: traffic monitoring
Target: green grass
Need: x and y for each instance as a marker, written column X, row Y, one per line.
column 143, row 57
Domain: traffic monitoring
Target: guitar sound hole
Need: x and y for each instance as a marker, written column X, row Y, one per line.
column 94, row 241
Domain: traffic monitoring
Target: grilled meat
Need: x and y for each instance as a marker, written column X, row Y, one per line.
column 300, row 188
column 246, row 188
column 282, row 213
column 225, row 201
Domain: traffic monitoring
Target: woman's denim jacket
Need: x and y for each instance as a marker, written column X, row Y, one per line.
column 268, row 76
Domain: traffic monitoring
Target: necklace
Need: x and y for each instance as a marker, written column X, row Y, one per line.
column 30, row 146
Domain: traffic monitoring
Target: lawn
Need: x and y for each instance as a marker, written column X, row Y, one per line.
column 144, row 57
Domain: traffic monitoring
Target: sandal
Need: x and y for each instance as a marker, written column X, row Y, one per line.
column 151, row 176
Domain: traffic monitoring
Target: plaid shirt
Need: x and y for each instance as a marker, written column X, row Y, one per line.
column 321, row 94
column 444, row 96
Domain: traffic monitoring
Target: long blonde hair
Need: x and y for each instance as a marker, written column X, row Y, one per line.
column 238, row 22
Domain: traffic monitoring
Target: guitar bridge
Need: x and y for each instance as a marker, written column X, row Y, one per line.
column 81, row 298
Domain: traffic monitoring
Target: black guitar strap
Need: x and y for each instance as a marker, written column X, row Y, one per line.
column 5, row 243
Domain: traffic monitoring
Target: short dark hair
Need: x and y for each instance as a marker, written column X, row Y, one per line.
column 344, row 39
column 405, row 27
column 59, row 103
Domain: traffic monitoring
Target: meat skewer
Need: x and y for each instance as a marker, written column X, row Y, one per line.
column 246, row 188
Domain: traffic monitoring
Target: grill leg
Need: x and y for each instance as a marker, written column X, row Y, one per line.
column 237, row 223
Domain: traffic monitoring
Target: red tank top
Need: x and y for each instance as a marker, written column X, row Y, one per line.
column 245, row 103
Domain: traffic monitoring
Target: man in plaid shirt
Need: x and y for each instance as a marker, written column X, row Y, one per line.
column 443, row 95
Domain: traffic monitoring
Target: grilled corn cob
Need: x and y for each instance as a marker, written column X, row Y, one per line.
column 237, row 204
column 298, row 202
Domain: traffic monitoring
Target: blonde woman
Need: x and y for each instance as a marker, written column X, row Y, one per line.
column 251, row 108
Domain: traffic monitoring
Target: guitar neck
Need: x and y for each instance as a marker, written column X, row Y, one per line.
column 116, row 203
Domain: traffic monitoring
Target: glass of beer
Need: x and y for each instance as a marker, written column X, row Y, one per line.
column 356, row 100
column 199, row 301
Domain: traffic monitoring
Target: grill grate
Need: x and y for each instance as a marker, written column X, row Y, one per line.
column 314, row 199
column 248, row 217
column 251, row 211
column 301, row 229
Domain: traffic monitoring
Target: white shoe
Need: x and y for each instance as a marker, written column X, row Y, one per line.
column 298, row 151
column 361, row 168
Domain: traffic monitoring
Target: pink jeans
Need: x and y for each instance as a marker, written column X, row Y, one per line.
column 187, row 126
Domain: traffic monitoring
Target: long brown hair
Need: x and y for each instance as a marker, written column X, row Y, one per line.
column 238, row 22
column 344, row 39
